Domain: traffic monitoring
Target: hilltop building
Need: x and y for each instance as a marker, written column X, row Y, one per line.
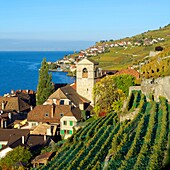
column 87, row 73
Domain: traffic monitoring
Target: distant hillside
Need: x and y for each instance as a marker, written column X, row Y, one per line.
column 121, row 53
column 106, row 143
column 157, row 66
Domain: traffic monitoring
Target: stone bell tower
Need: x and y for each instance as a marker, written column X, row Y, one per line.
column 87, row 71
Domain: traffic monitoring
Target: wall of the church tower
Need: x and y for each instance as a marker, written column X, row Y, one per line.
column 85, row 79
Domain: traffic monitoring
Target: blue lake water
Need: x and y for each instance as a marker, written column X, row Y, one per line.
column 19, row 70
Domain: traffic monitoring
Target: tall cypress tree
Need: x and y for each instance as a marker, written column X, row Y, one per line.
column 45, row 87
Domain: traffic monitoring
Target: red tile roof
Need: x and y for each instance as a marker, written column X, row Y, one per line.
column 48, row 113
column 13, row 103
column 130, row 72
column 68, row 92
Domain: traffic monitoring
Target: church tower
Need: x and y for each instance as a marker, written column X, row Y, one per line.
column 87, row 71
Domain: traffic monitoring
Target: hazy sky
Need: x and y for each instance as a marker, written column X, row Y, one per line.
column 75, row 24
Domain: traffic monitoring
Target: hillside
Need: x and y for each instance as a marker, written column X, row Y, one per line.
column 121, row 57
column 118, row 54
column 107, row 143
column 157, row 66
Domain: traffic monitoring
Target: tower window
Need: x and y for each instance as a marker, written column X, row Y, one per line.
column 85, row 73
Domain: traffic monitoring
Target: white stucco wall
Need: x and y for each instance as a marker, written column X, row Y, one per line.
column 68, row 126
column 4, row 152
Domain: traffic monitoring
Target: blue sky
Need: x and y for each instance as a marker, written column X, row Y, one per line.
column 75, row 24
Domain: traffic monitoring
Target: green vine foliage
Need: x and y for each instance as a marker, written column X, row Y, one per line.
column 158, row 66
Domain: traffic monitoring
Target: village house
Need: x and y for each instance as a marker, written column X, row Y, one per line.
column 60, row 119
column 129, row 71
column 73, row 68
column 11, row 138
column 68, row 121
column 42, row 159
column 10, row 135
column 29, row 96
column 67, row 95
column 14, row 104
column 49, row 114
column 7, row 118
column 11, row 109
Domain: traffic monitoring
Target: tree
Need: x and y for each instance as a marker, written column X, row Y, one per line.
column 106, row 95
column 45, row 87
column 18, row 154
column 123, row 82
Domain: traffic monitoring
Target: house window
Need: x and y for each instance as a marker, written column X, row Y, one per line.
column 71, row 123
column 85, row 73
column 65, row 123
column 62, row 132
column 46, row 114
column 0, row 146
column 70, row 132
column 61, row 102
column 34, row 124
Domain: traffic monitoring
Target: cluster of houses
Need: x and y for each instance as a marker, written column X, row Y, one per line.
column 22, row 123
column 101, row 48
column 140, row 42
column 69, row 63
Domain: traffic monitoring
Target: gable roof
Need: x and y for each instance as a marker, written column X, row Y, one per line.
column 33, row 142
column 48, row 113
column 16, row 137
column 131, row 72
column 68, row 92
column 75, row 112
column 44, row 156
column 13, row 103
column 11, row 135
column 58, row 94
column 73, row 95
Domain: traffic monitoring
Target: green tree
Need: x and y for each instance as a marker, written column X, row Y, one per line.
column 45, row 87
column 123, row 82
column 18, row 154
column 106, row 96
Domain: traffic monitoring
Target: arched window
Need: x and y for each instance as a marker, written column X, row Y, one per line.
column 85, row 73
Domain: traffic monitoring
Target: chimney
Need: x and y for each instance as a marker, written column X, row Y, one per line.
column 45, row 137
column 3, row 105
column 12, row 91
column 52, row 110
column 2, row 123
column 23, row 139
column 31, row 107
column 10, row 115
